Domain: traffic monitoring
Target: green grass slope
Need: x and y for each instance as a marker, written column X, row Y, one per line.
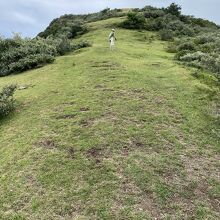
column 127, row 134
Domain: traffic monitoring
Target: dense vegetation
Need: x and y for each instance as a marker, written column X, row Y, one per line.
column 201, row 52
column 6, row 100
column 72, row 26
column 17, row 54
column 196, row 41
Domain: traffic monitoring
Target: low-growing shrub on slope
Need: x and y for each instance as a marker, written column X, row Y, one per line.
column 7, row 100
column 196, row 41
column 18, row 55
column 201, row 52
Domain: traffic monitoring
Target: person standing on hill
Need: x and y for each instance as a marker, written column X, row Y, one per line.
column 112, row 39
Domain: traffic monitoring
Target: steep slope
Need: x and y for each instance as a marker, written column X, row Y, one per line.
column 127, row 134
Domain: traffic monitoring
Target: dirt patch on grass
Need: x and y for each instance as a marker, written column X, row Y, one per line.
column 112, row 77
column 95, row 153
column 192, row 186
column 129, row 191
column 159, row 100
column 149, row 205
column 137, row 90
column 68, row 116
column 106, row 65
column 137, row 143
column 108, row 90
column 99, row 86
column 156, row 64
column 86, row 122
column 132, row 145
column 69, row 103
column 46, row 143
column 176, row 116
column 84, row 109
column 106, row 117
column 55, row 91
column 205, row 167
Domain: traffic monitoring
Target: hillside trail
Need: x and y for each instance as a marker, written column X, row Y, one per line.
column 103, row 134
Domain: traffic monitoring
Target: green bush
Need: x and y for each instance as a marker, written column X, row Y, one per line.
column 170, row 23
column 202, row 22
column 105, row 11
column 187, row 46
column 190, row 57
column 18, row 55
column 134, row 21
column 201, row 51
column 153, row 13
column 179, row 28
column 166, row 35
column 155, row 24
column 171, row 48
column 22, row 54
column 202, row 60
column 62, row 44
column 80, row 45
column 174, row 9
column 69, row 27
column 6, row 100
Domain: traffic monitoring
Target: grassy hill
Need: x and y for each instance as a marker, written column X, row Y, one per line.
column 128, row 134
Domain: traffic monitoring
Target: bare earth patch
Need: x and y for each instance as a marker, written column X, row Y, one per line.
column 46, row 143
column 68, row 116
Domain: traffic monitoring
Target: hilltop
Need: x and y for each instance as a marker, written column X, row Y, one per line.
column 127, row 134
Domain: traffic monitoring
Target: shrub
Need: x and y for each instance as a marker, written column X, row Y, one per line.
column 153, row 13
column 201, row 52
column 69, row 27
column 171, row 23
column 136, row 10
column 155, row 24
column 81, row 45
column 23, row 54
column 18, row 55
column 208, row 47
column 30, row 62
column 166, row 35
column 202, row 39
column 211, row 62
column 180, row 54
column 6, row 100
column 62, row 44
column 174, row 9
column 188, row 46
column 179, row 27
column 198, row 55
column 171, row 48
column 202, row 22
column 105, row 11
column 134, row 21
column 202, row 60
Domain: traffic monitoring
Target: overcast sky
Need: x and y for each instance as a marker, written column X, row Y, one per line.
column 29, row 17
